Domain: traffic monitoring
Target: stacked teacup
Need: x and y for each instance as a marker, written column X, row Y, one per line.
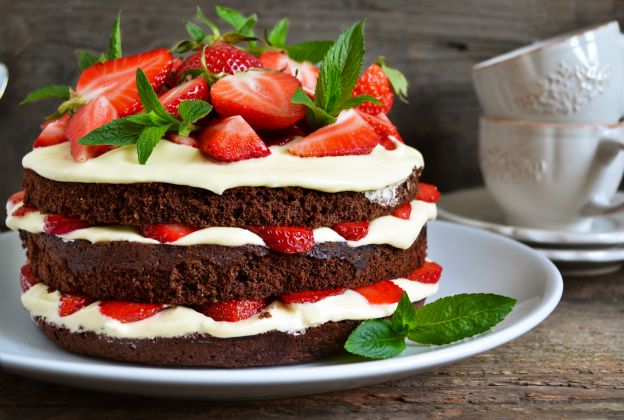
column 550, row 137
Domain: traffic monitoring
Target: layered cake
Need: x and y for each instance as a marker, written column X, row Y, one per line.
column 217, row 209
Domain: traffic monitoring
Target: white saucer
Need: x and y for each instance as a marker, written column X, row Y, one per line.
column 476, row 207
column 473, row 261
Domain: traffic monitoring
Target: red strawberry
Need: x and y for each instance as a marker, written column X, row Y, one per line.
column 193, row 89
column 349, row 135
column 429, row 272
column 281, row 137
column 310, row 296
column 91, row 116
column 221, row 57
column 232, row 310
column 26, row 278
column 53, row 132
column 232, row 139
column 70, row 304
column 17, row 197
column 262, row 98
column 129, row 311
column 55, row 224
column 167, row 233
column 374, row 82
column 387, row 143
column 352, row 231
column 382, row 292
column 184, row 140
column 173, row 73
column 382, row 126
column 288, row 240
column 403, row 212
column 306, row 72
column 428, row 193
column 116, row 79
column 23, row 210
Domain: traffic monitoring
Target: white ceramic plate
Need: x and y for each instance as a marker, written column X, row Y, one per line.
column 475, row 207
column 473, row 261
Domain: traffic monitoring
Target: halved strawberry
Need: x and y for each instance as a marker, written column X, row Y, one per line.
column 382, row 126
column 311, row 296
column 428, row 193
column 17, row 197
column 306, row 72
column 55, row 224
column 288, row 240
column 429, row 272
column 70, row 304
column 221, row 57
column 374, row 82
column 89, row 117
column 53, row 132
column 262, row 98
column 281, row 137
column 184, row 140
column 382, row 292
column 349, row 135
column 387, row 143
column 170, row 232
column 232, row 139
column 129, row 311
column 352, row 231
column 23, row 210
column 26, row 278
column 172, row 77
column 232, row 310
column 116, row 79
column 193, row 89
column 403, row 212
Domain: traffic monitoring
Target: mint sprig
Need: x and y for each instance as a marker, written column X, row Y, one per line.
column 339, row 72
column 312, row 51
column 146, row 129
column 444, row 321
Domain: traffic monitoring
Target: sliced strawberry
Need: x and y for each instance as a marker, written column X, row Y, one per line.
column 382, row 126
column 129, row 311
column 374, row 82
column 55, row 224
column 167, row 232
column 232, row 310
column 311, row 296
column 116, row 79
column 382, row 292
column 172, row 77
column 288, row 240
column 23, row 210
column 53, row 132
column 429, row 273
column 306, row 72
column 193, row 89
column 91, row 116
column 17, row 197
column 387, row 143
column 403, row 212
column 281, row 137
column 70, row 304
column 262, row 98
column 221, row 57
column 428, row 193
column 26, row 277
column 349, row 135
column 232, row 139
column 352, row 231
column 184, row 140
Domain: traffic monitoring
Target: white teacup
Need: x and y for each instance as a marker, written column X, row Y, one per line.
column 576, row 77
column 551, row 176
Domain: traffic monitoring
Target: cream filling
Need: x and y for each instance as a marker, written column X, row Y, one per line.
column 183, row 165
column 178, row 321
column 390, row 230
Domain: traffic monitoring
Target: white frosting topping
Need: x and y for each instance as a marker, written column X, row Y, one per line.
column 178, row 321
column 183, row 165
column 390, row 230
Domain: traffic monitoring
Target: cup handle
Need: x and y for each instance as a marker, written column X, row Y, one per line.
column 608, row 150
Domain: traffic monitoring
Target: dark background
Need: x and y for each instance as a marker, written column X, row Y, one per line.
column 434, row 43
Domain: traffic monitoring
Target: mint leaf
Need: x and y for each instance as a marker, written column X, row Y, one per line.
column 404, row 317
column 312, row 51
column 120, row 132
column 396, row 79
column 87, row 59
column 457, row 317
column 192, row 110
column 196, row 33
column 47, row 92
column 317, row 117
column 114, row 44
column 277, row 36
column 149, row 99
column 356, row 101
column 147, row 141
column 375, row 339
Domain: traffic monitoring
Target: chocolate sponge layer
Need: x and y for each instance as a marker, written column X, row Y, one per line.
column 155, row 203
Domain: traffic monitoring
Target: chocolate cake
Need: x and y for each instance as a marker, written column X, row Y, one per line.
column 217, row 209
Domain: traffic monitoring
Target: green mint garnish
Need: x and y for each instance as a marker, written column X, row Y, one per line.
column 444, row 321
column 149, row 127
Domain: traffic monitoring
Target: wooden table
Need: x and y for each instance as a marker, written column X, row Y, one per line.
column 572, row 365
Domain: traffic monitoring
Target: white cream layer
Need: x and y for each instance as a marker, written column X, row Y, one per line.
column 183, row 165
column 178, row 321
column 389, row 230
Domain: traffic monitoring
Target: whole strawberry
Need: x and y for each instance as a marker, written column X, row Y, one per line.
column 221, row 57
column 374, row 82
